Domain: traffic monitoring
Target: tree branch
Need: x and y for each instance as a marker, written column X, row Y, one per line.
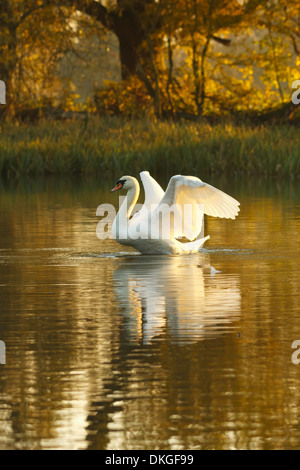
column 94, row 9
column 29, row 12
column 90, row 7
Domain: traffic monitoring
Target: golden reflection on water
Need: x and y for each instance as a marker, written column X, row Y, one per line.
column 107, row 351
column 182, row 296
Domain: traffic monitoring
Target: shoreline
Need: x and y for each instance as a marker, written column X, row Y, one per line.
column 113, row 145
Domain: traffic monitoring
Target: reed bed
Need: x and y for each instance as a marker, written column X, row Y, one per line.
column 114, row 146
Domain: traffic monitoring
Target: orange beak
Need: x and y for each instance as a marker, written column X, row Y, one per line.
column 118, row 186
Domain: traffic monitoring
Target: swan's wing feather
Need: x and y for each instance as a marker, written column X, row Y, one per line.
column 191, row 190
column 153, row 191
column 190, row 198
column 217, row 203
column 153, row 195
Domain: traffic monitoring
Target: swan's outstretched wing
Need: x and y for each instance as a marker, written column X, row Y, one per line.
column 153, row 195
column 191, row 190
column 153, row 192
column 190, row 198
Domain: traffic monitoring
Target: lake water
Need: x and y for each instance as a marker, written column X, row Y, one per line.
column 107, row 349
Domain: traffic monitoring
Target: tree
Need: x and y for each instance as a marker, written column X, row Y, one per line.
column 33, row 36
column 125, row 19
column 174, row 54
column 132, row 21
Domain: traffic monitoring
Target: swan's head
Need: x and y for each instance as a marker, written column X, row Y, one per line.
column 126, row 182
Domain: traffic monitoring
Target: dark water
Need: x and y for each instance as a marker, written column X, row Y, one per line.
column 112, row 350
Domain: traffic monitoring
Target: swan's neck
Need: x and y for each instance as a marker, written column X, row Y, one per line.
column 130, row 200
column 121, row 221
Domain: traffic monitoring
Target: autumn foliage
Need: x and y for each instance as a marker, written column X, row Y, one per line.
column 187, row 58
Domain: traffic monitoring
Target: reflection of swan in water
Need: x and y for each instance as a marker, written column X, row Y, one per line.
column 181, row 296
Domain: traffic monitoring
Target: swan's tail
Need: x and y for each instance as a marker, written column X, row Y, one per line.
column 194, row 246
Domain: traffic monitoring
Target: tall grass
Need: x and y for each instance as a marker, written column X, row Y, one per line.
column 113, row 146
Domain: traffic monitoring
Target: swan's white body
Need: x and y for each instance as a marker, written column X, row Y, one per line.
column 146, row 231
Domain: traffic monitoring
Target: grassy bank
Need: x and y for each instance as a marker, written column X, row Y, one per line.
column 112, row 146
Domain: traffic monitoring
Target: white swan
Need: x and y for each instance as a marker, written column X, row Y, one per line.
column 169, row 216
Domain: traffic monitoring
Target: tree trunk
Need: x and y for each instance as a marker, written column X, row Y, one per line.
column 124, row 22
column 130, row 35
column 128, row 59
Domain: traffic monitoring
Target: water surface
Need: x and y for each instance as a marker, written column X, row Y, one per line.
column 107, row 349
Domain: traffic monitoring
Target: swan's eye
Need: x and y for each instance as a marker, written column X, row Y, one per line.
column 119, row 185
